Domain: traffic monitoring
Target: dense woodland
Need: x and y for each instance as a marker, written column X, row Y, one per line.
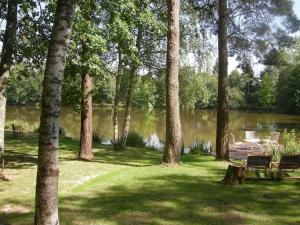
column 145, row 54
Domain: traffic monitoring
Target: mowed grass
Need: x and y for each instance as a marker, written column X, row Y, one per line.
column 133, row 188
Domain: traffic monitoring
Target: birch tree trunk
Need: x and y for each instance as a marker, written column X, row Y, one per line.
column 46, row 205
column 173, row 126
column 222, row 139
column 86, row 130
column 133, row 79
column 5, row 64
column 116, row 101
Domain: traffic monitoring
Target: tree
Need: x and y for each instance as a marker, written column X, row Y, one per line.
column 5, row 64
column 288, row 90
column 117, row 98
column 46, row 204
column 173, row 126
column 86, row 129
column 222, row 140
column 266, row 93
column 87, row 37
column 84, row 61
column 133, row 79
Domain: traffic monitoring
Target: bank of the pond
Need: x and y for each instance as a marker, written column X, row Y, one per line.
column 197, row 125
column 133, row 188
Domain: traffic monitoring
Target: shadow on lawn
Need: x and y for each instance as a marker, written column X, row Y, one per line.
column 132, row 157
column 21, row 153
column 180, row 199
column 19, row 160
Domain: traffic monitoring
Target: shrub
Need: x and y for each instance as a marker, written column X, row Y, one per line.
column 290, row 146
column 290, row 143
column 275, row 151
column 134, row 139
column 98, row 138
column 199, row 147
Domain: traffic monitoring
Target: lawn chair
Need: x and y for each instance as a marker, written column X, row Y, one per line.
column 17, row 131
column 288, row 163
column 273, row 139
column 250, row 137
column 259, row 162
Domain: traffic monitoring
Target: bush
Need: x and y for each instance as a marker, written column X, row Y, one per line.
column 134, row 139
column 98, row 138
column 290, row 143
column 290, row 146
column 199, row 147
column 275, row 151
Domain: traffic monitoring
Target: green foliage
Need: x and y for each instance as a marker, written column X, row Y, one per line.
column 290, row 146
column 144, row 95
column 160, row 87
column 290, row 142
column 103, row 90
column 197, row 89
column 25, row 85
column 98, row 138
column 275, row 151
column 87, row 43
column 288, row 90
column 199, row 147
column 266, row 94
column 277, row 58
column 134, row 139
column 236, row 98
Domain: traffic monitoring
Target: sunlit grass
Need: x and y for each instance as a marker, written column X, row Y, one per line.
column 133, row 188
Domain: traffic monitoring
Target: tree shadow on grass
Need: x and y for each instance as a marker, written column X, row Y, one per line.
column 19, row 160
column 179, row 199
column 131, row 157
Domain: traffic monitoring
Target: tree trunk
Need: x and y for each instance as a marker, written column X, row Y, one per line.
column 173, row 125
column 222, row 140
column 133, row 79
column 46, row 208
column 116, row 101
column 5, row 64
column 86, row 130
column 235, row 175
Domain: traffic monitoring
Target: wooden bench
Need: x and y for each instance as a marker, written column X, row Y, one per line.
column 259, row 162
column 288, row 163
column 17, row 131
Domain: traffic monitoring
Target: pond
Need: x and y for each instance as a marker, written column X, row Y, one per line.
column 198, row 125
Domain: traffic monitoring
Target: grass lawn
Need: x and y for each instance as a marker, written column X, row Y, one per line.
column 133, row 188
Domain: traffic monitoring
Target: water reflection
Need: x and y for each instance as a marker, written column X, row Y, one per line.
column 200, row 125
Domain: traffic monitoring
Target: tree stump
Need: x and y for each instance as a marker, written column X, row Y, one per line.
column 235, row 175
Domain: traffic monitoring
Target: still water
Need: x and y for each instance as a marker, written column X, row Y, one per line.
column 198, row 125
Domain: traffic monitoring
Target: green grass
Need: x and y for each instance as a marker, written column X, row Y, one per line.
column 133, row 188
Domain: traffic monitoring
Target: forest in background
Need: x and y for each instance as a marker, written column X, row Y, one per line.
column 109, row 36
column 276, row 89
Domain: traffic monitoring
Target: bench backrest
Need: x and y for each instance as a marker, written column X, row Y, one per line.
column 250, row 134
column 275, row 136
column 259, row 161
column 290, row 162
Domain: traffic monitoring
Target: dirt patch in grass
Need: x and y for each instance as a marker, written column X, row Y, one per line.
column 10, row 208
column 233, row 218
